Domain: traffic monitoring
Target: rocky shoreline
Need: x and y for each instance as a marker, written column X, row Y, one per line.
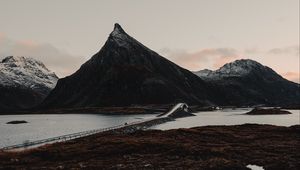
column 209, row 147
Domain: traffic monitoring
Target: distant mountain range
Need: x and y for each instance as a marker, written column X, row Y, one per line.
column 24, row 83
column 125, row 72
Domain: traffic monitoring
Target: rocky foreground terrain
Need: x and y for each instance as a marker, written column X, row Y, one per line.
column 211, row 147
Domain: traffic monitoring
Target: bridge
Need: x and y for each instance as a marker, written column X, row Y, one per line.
column 179, row 106
column 124, row 128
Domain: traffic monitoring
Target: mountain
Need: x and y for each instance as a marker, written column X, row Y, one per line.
column 246, row 82
column 24, row 83
column 125, row 72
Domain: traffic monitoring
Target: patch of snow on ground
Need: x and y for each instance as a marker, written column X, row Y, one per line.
column 254, row 167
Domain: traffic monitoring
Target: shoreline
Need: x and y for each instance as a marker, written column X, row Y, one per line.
column 126, row 110
column 206, row 147
column 129, row 110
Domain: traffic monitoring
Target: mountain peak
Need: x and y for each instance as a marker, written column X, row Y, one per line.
column 28, row 72
column 10, row 59
column 120, row 37
column 117, row 30
column 236, row 68
column 240, row 67
column 20, row 61
column 248, row 62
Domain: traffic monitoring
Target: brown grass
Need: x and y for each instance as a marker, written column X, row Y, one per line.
column 211, row 147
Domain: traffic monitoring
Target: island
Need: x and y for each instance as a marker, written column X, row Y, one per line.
column 267, row 111
column 17, row 122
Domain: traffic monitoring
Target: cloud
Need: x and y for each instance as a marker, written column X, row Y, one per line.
column 212, row 58
column 252, row 51
column 59, row 61
column 291, row 50
column 292, row 76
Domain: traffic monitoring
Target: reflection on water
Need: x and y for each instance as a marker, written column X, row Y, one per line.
column 231, row 117
column 52, row 125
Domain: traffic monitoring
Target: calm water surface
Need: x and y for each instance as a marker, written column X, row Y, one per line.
column 52, row 125
column 231, row 117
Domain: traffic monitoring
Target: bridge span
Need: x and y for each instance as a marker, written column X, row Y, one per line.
column 124, row 128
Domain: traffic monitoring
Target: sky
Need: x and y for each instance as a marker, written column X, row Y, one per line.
column 195, row 34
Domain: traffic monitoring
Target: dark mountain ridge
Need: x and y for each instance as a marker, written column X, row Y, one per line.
column 246, row 83
column 125, row 72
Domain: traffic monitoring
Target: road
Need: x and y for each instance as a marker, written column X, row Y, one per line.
column 128, row 127
column 176, row 107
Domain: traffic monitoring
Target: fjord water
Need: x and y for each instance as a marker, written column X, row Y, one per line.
column 51, row 125
column 43, row 126
column 231, row 117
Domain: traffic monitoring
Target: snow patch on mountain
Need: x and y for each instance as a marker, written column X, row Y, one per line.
column 26, row 72
column 203, row 73
column 237, row 68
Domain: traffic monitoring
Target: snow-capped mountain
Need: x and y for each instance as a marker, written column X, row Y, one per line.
column 24, row 78
column 247, row 82
column 237, row 68
column 125, row 72
column 27, row 72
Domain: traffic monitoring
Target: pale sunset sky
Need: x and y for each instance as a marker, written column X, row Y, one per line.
column 195, row 34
